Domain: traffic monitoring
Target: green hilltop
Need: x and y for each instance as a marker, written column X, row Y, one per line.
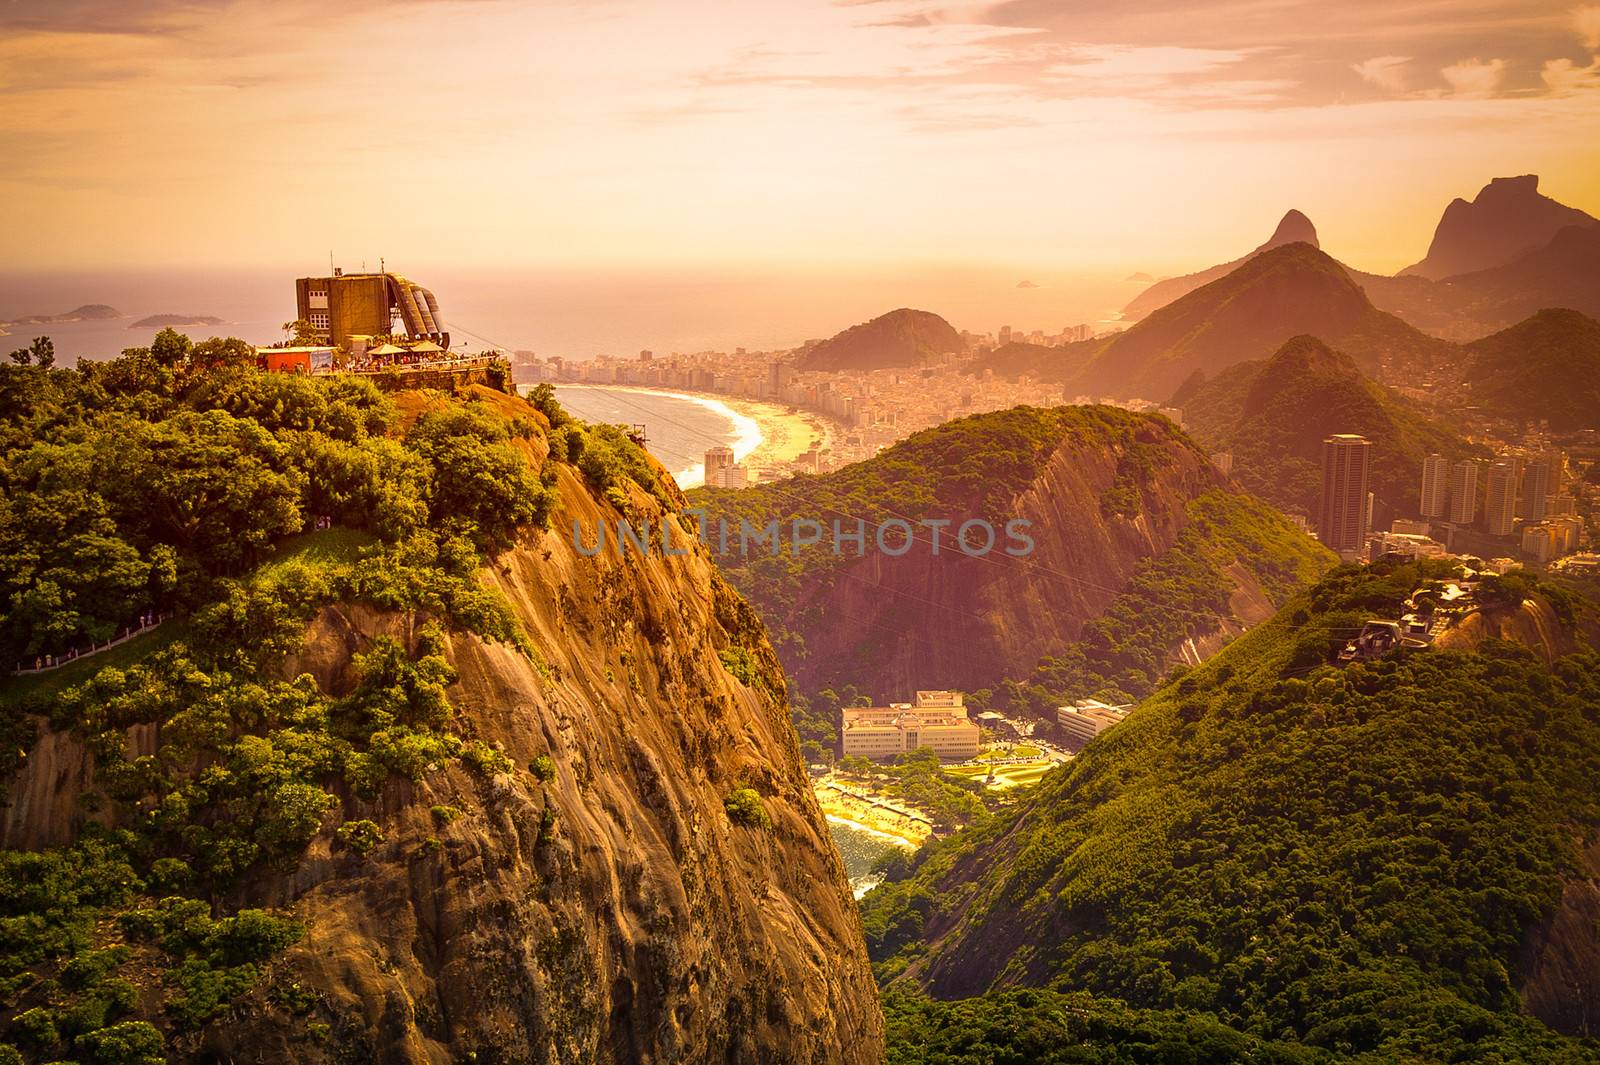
column 1546, row 368
column 1278, row 859
column 1141, row 546
column 1273, row 415
column 180, row 480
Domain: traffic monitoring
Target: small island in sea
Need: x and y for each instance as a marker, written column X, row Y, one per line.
column 161, row 321
column 89, row 312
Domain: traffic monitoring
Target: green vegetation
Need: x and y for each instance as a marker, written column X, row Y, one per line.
column 918, row 779
column 145, row 482
column 976, row 467
column 361, row 837
column 1272, row 848
column 1272, row 416
column 543, row 768
column 1171, row 598
column 176, row 479
column 902, row 337
column 745, row 807
column 1546, row 368
column 1039, row 1027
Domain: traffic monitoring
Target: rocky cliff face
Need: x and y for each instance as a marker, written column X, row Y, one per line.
column 1103, row 496
column 922, row 621
column 605, row 907
column 1509, row 217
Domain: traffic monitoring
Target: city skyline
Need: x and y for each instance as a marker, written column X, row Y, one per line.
column 896, row 134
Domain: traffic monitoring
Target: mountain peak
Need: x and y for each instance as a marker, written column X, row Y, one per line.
column 1522, row 185
column 1508, row 218
column 1303, row 361
column 1293, row 228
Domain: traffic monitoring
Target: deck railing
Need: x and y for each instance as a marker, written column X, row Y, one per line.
column 45, row 663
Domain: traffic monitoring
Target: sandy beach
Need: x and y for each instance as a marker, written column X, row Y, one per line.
column 766, row 435
column 846, row 805
column 786, row 432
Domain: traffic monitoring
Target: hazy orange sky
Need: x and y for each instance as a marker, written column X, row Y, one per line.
column 1154, row 134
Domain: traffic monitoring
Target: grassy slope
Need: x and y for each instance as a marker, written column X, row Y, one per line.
column 1347, row 858
column 1545, row 367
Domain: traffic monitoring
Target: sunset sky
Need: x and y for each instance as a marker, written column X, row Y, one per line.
column 1154, row 134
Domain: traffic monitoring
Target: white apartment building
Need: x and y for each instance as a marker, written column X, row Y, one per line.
column 1087, row 718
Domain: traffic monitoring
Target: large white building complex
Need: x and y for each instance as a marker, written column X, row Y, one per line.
column 934, row 719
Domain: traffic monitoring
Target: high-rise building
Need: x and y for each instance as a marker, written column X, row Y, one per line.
column 1464, row 493
column 718, row 459
column 1343, row 524
column 734, row 476
column 1435, row 486
column 1535, row 490
column 1539, row 480
column 1500, row 508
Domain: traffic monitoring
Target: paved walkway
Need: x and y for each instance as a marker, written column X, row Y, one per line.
column 46, row 663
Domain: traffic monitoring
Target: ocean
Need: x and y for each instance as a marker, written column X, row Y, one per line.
column 679, row 429
column 860, row 851
column 573, row 313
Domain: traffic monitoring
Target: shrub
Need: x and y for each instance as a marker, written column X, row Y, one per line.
column 360, row 836
column 543, row 768
column 36, row 1027
column 128, row 1043
column 486, row 759
column 745, row 807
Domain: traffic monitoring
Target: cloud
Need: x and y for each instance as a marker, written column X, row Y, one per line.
column 1586, row 20
column 1385, row 71
column 1564, row 77
column 1474, row 77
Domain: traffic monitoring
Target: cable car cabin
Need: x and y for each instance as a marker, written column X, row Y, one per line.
column 1377, row 638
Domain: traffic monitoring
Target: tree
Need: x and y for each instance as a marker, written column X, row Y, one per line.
column 170, row 348
column 44, row 352
column 219, row 352
column 300, row 332
column 480, row 480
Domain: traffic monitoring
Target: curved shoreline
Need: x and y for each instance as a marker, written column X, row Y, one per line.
column 868, row 830
column 747, row 429
column 765, row 433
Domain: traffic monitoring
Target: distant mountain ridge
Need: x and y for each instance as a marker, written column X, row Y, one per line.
column 1506, row 220
column 1509, row 253
column 903, row 337
column 1563, row 273
column 1293, row 228
column 1248, row 314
